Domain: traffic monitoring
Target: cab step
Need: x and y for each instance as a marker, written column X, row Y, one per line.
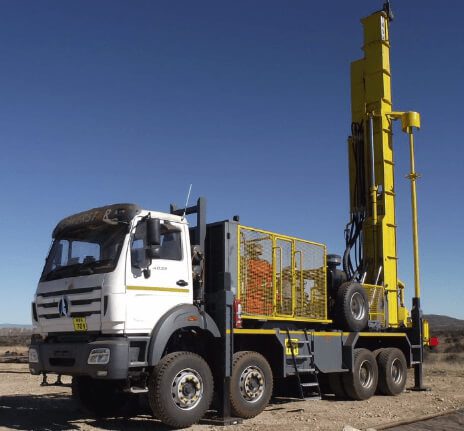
column 310, row 384
column 138, row 390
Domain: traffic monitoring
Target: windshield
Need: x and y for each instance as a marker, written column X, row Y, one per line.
column 84, row 250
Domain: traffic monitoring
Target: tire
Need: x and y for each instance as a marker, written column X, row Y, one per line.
column 377, row 352
column 180, row 389
column 361, row 382
column 336, row 385
column 352, row 306
column 102, row 398
column 251, row 384
column 376, row 355
column 393, row 371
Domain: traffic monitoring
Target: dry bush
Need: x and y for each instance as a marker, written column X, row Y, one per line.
column 454, row 339
column 455, row 348
column 15, row 336
column 430, row 356
column 453, row 358
column 15, row 340
column 11, row 357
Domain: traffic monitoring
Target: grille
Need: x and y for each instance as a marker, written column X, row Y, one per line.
column 62, row 362
column 281, row 277
column 83, row 302
column 67, row 292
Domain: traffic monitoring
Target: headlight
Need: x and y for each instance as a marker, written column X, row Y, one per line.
column 33, row 356
column 99, row 356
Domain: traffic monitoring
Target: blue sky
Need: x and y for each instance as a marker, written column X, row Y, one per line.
column 131, row 101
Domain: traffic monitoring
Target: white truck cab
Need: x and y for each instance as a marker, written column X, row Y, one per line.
column 98, row 278
column 115, row 279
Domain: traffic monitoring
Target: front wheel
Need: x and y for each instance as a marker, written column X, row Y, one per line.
column 251, row 384
column 180, row 389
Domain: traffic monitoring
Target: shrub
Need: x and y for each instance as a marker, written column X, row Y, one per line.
column 15, row 340
column 430, row 356
column 453, row 358
column 455, row 348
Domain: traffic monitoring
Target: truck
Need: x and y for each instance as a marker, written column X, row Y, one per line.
column 217, row 317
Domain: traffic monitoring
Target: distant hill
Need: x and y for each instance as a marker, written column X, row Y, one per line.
column 14, row 325
column 444, row 323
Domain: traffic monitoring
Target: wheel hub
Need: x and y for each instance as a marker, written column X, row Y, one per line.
column 357, row 306
column 187, row 389
column 396, row 371
column 366, row 374
column 252, row 384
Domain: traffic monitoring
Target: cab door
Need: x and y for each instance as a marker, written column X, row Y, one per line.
column 153, row 286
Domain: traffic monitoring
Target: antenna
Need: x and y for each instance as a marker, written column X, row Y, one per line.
column 187, row 202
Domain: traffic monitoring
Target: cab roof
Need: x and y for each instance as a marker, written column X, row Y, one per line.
column 110, row 214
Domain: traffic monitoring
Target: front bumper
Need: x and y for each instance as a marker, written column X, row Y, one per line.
column 71, row 358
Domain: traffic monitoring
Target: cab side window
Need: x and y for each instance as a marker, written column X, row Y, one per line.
column 170, row 247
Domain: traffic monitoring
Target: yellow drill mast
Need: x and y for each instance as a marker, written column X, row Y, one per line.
column 371, row 234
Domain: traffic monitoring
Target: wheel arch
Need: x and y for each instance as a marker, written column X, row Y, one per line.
column 183, row 316
column 266, row 345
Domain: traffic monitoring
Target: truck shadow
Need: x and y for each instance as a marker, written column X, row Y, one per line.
column 58, row 411
column 55, row 412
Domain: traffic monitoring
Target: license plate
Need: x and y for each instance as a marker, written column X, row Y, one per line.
column 80, row 324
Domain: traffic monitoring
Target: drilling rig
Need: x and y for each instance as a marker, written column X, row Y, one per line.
column 134, row 302
column 372, row 230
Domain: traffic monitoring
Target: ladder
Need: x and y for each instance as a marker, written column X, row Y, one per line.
column 305, row 372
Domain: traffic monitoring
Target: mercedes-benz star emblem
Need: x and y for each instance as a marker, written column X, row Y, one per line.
column 63, row 307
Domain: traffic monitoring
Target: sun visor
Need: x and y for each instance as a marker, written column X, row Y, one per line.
column 110, row 214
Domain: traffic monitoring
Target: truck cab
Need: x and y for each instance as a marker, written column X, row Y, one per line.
column 103, row 284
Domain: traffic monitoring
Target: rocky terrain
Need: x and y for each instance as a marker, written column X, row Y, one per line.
column 25, row 405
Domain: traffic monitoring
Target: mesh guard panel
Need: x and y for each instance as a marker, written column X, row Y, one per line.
column 281, row 277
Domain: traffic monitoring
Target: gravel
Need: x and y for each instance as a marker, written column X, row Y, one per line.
column 25, row 405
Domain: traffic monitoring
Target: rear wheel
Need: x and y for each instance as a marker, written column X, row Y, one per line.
column 361, row 382
column 393, row 371
column 180, row 389
column 102, row 398
column 251, row 384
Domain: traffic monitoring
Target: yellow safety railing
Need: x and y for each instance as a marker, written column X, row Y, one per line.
column 281, row 277
column 376, row 298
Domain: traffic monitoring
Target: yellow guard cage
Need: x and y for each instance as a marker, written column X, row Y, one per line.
column 281, row 277
column 284, row 278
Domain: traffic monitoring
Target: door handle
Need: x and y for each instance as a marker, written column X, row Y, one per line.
column 182, row 283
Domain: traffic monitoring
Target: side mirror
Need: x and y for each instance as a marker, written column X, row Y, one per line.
column 139, row 258
column 153, row 233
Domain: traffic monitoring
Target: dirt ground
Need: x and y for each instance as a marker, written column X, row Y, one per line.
column 25, row 405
